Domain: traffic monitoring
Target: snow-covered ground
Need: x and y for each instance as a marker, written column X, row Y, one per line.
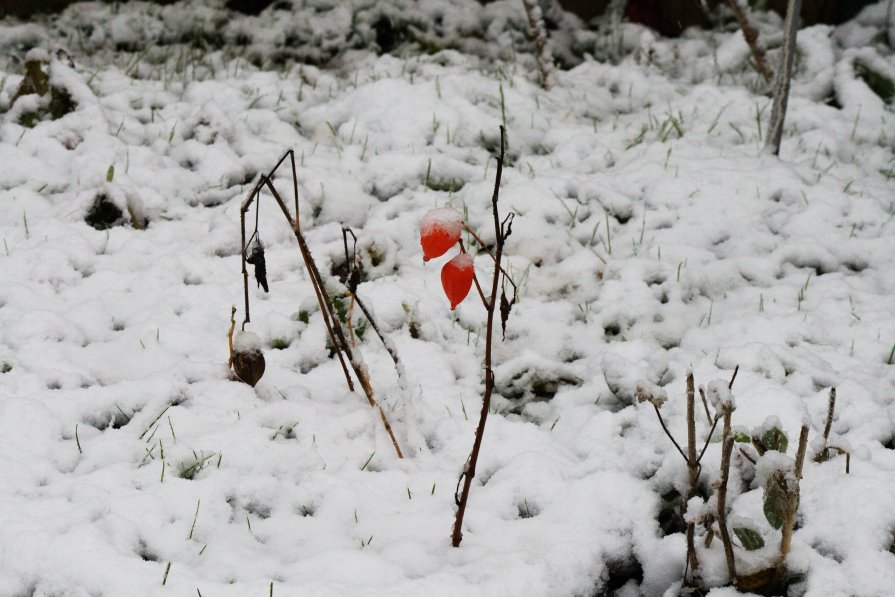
column 652, row 236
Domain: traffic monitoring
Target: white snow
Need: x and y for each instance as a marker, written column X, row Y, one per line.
column 651, row 237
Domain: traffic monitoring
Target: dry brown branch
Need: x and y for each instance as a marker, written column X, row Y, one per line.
column 793, row 495
column 705, row 405
column 389, row 347
column 502, row 230
column 726, row 451
column 538, row 32
column 693, row 471
column 330, row 318
column 831, row 407
column 230, row 335
column 750, row 34
column 668, row 433
column 784, row 77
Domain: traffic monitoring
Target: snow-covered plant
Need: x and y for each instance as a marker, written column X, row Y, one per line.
column 648, row 393
column 775, row 473
column 440, row 231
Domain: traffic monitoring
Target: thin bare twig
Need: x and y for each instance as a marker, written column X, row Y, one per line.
column 784, row 76
column 539, row 32
column 230, row 335
column 475, row 278
column 733, row 377
column 726, row 452
column 708, row 439
column 831, row 407
column 792, row 489
column 389, row 347
column 750, row 34
column 693, row 470
column 326, row 305
column 501, row 232
column 705, row 405
column 484, row 247
column 330, row 318
column 668, row 433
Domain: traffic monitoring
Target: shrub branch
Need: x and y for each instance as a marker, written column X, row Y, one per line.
column 502, row 230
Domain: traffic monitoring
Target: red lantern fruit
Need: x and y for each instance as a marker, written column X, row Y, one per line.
column 439, row 231
column 456, row 277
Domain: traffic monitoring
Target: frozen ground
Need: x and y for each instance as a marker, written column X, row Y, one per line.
column 652, row 236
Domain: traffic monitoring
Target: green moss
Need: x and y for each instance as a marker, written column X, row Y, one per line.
column 279, row 344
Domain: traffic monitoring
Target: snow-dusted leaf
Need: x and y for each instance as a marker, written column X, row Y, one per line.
column 749, row 538
column 776, row 500
column 775, row 439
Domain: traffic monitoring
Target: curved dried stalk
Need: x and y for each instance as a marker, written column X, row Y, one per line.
column 331, row 320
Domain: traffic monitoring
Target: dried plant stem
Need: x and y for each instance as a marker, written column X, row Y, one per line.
column 389, row 347
column 668, row 433
column 750, row 34
column 501, row 232
column 705, row 405
column 326, row 305
column 733, row 377
column 693, row 471
column 230, row 335
column 331, row 320
column 348, row 320
column 793, row 491
column 726, row 452
column 784, row 76
column 539, row 32
column 475, row 278
column 831, row 407
column 824, row 454
column 490, row 254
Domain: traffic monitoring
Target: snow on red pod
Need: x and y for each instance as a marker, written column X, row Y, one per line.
column 439, row 231
column 456, row 277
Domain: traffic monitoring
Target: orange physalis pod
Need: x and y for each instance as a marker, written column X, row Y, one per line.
column 456, row 277
column 439, row 231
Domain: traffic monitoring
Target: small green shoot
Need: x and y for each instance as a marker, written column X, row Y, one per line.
column 162, row 447
column 195, row 517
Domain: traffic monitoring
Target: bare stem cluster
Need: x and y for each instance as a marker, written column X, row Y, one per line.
column 333, row 327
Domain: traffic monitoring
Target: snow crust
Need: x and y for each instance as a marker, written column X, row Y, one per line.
column 651, row 236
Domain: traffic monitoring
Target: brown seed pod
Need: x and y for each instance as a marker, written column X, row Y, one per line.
column 248, row 360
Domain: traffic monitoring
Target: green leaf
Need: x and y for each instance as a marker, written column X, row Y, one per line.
column 110, row 173
column 341, row 308
column 742, row 438
column 775, row 439
column 776, row 500
column 749, row 538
